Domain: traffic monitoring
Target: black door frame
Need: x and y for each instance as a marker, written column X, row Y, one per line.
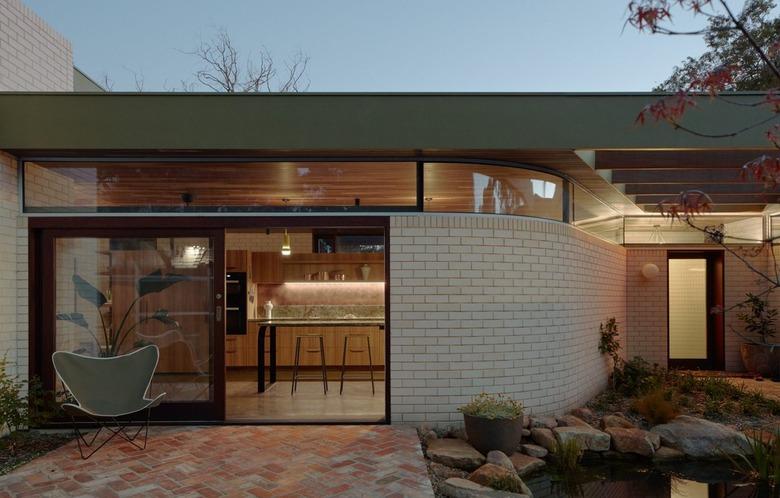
column 716, row 350
column 41, row 267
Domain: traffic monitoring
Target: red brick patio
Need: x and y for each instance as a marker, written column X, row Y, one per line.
column 299, row 461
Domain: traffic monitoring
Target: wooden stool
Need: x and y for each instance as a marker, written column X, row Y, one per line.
column 358, row 349
column 296, row 375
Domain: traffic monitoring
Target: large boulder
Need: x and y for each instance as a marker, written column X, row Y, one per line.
column 526, row 464
column 543, row 422
column 636, row 441
column 699, row 438
column 664, row 453
column 455, row 453
column 534, row 450
column 489, row 473
column 571, row 421
column 544, row 438
column 456, row 487
column 499, row 458
column 589, row 438
column 616, row 421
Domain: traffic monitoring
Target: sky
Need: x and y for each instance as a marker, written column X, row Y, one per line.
column 379, row 46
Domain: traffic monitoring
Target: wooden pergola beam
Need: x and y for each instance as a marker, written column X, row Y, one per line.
column 677, row 159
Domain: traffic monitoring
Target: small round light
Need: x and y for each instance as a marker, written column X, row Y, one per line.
column 650, row 271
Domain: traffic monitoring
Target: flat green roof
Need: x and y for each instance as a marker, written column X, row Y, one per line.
column 315, row 121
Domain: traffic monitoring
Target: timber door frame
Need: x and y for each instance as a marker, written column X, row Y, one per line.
column 716, row 348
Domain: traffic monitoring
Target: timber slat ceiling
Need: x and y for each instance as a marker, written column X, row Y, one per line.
column 652, row 176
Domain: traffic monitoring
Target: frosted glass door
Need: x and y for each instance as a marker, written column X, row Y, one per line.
column 688, row 309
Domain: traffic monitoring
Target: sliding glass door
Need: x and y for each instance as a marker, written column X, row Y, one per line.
column 107, row 292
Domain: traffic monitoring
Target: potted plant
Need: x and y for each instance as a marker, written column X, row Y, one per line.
column 759, row 354
column 493, row 422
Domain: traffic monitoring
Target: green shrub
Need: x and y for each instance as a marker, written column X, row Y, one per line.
column 493, row 406
column 657, row 407
column 13, row 403
column 758, row 317
column 636, row 377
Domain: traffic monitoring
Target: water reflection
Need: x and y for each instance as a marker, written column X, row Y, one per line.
column 618, row 480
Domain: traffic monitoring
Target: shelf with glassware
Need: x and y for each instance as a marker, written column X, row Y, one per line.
column 334, row 267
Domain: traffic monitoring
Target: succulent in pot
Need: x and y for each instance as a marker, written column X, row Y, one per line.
column 759, row 354
column 493, row 422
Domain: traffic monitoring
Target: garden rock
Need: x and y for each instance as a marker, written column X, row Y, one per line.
column 526, row 433
column 455, row 453
column 499, row 458
column 584, row 413
column 544, row 438
column 616, row 421
column 430, row 436
column 636, row 441
column 666, row 453
column 526, row 464
column 456, row 487
column 534, row 450
column 488, row 473
column 699, row 438
column 589, row 438
column 543, row 422
column 571, row 421
column 526, row 421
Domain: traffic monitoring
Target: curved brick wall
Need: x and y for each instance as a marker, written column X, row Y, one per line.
column 498, row 304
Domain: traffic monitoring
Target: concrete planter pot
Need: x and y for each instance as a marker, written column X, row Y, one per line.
column 486, row 434
column 762, row 359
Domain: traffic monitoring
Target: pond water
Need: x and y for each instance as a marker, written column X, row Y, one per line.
column 623, row 480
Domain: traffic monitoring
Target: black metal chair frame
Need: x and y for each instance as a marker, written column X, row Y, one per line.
column 116, row 426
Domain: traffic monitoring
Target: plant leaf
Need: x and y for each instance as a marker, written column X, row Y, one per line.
column 75, row 318
column 156, row 282
column 161, row 315
column 87, row 291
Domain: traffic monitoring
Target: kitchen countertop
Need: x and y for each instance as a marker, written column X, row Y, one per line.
column 303, row 322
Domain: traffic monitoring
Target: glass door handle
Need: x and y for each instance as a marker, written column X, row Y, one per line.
column 219, row 314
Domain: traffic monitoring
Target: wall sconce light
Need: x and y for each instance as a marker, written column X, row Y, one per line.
column 650, row 271
column 286, row 248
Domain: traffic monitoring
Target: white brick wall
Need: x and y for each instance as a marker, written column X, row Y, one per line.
column 33, row 57
column 10, row 341
column 497, row 304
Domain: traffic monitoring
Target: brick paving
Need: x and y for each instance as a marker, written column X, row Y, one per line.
column 233, row 461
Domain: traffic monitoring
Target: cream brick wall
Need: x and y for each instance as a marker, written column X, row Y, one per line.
column 647, row 302
column 33, row 57
column 497, row 304
column 10, row 340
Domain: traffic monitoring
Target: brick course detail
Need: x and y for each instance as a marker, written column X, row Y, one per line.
column 497, row 304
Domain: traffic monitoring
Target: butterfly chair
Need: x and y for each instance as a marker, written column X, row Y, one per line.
column 110, row 392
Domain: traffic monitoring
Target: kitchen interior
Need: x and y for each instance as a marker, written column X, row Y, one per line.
column 315, row 297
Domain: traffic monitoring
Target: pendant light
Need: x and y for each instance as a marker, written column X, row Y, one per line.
column 286, row 249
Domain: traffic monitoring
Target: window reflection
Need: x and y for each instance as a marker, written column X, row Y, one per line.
column 477, row 188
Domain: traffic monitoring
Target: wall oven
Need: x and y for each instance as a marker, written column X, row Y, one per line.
column 235, row 303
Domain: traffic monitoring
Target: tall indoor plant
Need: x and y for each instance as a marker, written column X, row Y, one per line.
column 114, row 336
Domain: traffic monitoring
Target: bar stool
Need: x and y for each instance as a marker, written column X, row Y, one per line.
column 356, row 349
column 321, row 349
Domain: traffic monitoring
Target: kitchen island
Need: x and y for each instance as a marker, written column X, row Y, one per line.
column 270, row 326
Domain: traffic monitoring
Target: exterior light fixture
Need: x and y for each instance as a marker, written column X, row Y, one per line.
column 286, row 248
column 650, row 271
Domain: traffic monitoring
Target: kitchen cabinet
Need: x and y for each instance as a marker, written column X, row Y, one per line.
column 236, row 260
column 267, row 268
